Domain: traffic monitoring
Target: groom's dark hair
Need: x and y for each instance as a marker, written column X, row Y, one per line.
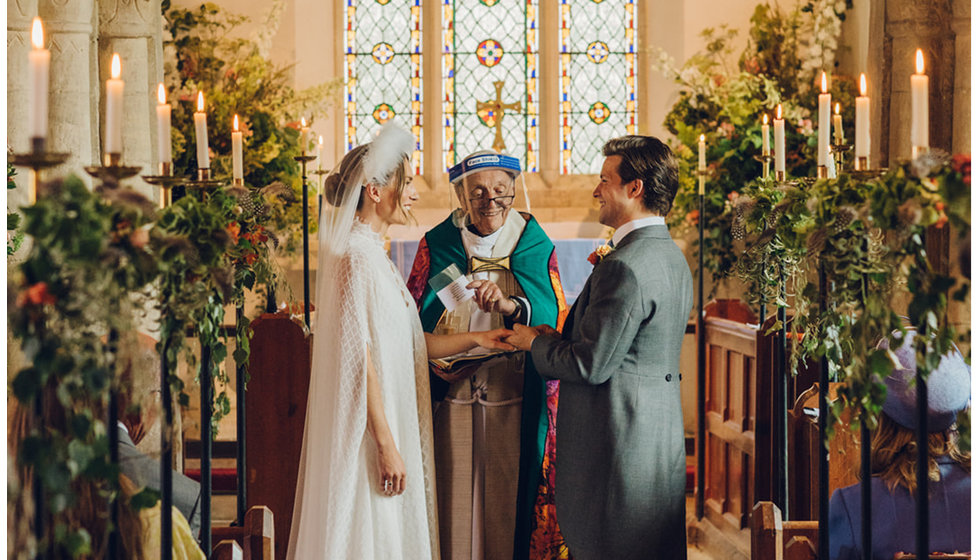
column 651, row 161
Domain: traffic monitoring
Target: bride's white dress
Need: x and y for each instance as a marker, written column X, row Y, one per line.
column 340, row 511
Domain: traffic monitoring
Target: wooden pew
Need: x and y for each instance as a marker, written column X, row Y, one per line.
column 256, row 538
column 737, row 416
column 804, row 446
column 276, row 404
column 775, row 539
column 227, row 550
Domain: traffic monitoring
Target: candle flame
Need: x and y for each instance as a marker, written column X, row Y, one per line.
column 116, row 66
column 920, row 62
column 37, row 34
column 765, row 119
column 320, row 140
column 200, row 102
column 302, row 122
column 235, row 123
column 823, row 82
column 864, row 85
column 702, row 138
column 779, row 111
column 161, row 94
column 837, row 109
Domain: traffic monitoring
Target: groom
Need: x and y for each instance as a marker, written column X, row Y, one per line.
column 620, row 455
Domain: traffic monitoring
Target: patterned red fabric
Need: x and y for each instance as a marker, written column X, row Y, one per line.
column 559, row 292
column 420, row 273
column 546, row 539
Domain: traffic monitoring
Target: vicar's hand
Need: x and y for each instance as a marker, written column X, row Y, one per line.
column 489, row 298
column 524, row 336
column 391, row 470
column 493, row 340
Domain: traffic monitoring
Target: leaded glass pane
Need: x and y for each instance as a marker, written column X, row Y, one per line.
column 598, row 87
column 487, row 41
column 383, row 63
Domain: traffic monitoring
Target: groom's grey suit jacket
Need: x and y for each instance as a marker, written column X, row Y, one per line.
column 620, row 472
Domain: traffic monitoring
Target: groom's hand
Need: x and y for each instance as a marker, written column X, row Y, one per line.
column 523, row 337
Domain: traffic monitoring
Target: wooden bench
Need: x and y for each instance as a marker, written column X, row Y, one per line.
column 775, row 539
column 255, row 539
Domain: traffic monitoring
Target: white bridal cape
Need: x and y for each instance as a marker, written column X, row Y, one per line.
column 340, row 512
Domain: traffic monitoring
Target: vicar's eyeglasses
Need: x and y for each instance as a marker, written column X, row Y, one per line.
column 500, row 200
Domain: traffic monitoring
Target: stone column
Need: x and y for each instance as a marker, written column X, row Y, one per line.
column 908, row 25
column 73, row 101
column 133, row 29
column 961, row 81
column 549, row 55
column 19, row 16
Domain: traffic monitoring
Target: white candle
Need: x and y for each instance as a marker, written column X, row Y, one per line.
column 701, row 164
column 319, row 152
column 779, row 133
column 164, row 154
column 304, row 135
column 823, row 124
column 862, row 122
column 920, row 103
column 765, row 135
column 113, row 108
column 838, row 125
column 201, row 132
column 236, row 151
column 39, row 64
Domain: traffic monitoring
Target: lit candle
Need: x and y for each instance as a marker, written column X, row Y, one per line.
column 862, row 123
column 701, row 165
column 201, row 131
column 304, row 135
column 113, row 108
column 163, row 126
column 838, row 125
column 39, row 63
column 319, row 152
column 236, row 152
column 779, row 134
column 920, row 103
column 765, row 135
column 823, row 130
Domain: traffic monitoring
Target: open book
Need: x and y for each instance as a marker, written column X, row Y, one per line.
column 454, row 364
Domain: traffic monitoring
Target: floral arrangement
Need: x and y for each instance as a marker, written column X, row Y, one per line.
column 780, row 65
column 237, row 77
column 866, row 237
column 97, row 260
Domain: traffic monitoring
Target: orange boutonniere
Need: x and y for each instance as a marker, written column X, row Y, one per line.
column 599, row 254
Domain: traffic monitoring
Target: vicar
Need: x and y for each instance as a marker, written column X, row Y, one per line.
column 620, row 472
column 492, row 423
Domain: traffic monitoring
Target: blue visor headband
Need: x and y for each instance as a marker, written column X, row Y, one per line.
column 483, row 162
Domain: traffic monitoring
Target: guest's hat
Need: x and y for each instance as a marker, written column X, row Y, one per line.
column 948, row 387
column 482, row 161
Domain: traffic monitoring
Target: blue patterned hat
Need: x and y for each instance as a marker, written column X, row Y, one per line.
column 483, row 160
column 948, row 387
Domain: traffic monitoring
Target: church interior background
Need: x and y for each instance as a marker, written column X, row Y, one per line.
column 550, row 79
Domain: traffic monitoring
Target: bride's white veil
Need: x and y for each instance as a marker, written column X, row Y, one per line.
column 336, row 406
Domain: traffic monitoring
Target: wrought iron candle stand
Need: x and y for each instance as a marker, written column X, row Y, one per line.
column 37, row 160
column 702, row 424
column 303, row 160
column 320, row 174
column 113, row 171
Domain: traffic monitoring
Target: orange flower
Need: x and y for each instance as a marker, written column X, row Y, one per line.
column 233, row 230
column 692, row 217
column 250, row 258
column 600, row 253
column 139, row 238
column 36, row 294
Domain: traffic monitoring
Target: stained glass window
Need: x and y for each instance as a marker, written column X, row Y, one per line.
column 484, row 42
column 383, row 65
column 598, row 86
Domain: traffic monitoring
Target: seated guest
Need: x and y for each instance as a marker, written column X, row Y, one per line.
column 138, row 411
column 893, row 467
column 140, row 530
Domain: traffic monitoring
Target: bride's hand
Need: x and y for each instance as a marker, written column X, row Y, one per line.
column 493, row 340
column 391, row 470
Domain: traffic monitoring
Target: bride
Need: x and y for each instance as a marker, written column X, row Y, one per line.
column 365, row 488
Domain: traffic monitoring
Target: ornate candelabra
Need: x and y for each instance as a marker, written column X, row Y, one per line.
column 166, row 181
column 766, row 160
column 37, row 159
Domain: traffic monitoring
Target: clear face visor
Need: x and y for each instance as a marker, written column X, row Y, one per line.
column 459, row 198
